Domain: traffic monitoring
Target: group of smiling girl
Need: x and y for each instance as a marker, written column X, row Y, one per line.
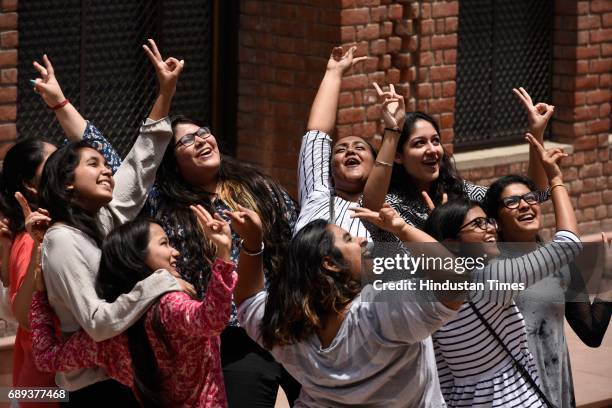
column 179, row 276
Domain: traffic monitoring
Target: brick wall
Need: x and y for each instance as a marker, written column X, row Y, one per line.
column 8, row 74
column 284, row 45
column 283, row 49
column 414, row 44
column 582, row 73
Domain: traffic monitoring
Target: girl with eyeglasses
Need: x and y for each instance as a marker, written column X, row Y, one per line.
column 512, row 200
column 194, row 172
column 482, row 354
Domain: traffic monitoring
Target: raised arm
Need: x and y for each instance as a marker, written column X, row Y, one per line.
column 394, row 115
column 136, row 175
column 565, row 217
column 168, row 72
column 538, row 116
column 421, row 242
column 247, row 224
column 74, row 125
column 27, row 259
column 183, row 316
column 325, row 106
column 534, row 266
column 50, row 91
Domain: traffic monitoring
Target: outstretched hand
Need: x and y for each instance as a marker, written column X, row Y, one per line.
column 393, row 107
column 538, row 115
column 168, row 71
column 549, row 158
column 47, row 86
column 387, row 218
column 429, row 202
column 36, row 222
column 343, row 61
column 216, row 229
column 247, row 224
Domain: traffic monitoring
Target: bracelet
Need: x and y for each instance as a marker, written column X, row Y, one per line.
column 251, row 253
column 59, row 105
column 393, row 130
column 550, row 189
column 382, row 163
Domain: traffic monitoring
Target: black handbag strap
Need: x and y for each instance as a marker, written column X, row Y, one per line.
column 521, row 369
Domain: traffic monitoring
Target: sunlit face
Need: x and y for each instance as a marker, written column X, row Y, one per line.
column 421, row 155
column 522, row 223
column 93, row 180
column 483, row 241
column 351, row 163
column 198, row 161
column 351, row 248
column 160, row 255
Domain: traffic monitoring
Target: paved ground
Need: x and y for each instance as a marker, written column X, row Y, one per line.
column 592, row 370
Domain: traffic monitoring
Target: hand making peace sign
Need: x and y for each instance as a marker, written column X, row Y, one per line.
column 167, row 71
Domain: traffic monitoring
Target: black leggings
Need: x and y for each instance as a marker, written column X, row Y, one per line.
column 251, row 374
column 102, row 394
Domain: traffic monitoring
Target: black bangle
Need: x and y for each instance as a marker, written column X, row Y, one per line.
column 393, row 130
column 251, row 253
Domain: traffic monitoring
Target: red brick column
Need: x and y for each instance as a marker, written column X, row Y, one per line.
column 8, row 74
column 437, row 24
column 582, row 82
column 379, row 31
column 283, row 49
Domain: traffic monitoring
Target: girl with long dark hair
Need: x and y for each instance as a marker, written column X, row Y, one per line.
column 422, row 165
column 322, row 325
column 21, row 174
column 482, row 354
column 512, row 201
column 193, row 171
column 78, row 190
column 168, row 357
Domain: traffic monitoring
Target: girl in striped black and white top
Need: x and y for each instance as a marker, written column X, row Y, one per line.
column 323, row 195
column 474, row 368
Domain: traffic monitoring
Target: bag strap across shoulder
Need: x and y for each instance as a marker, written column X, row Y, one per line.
column 521, row 369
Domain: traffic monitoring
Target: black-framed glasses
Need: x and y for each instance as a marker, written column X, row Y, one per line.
column 189, row 139
column 481, row 222
column 512, row 202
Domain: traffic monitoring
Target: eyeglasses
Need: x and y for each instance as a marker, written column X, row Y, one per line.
column 481, row 222
column 189, row 139
column 512, row 202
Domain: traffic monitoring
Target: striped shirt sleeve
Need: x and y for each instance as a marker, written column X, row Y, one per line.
column 529, row 268
column 313, row 166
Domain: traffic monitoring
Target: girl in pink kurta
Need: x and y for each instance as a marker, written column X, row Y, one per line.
column 183, row 333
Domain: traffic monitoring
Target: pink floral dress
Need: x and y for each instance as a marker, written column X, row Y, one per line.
column 190, row 373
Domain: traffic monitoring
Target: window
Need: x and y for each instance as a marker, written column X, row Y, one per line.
column 502, row 44
column 96, row 50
